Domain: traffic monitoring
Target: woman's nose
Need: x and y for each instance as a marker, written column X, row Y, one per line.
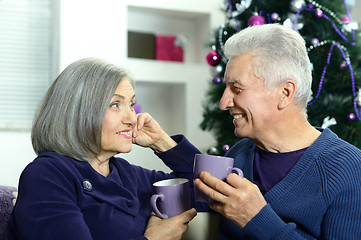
column 131, row 118
column 226, row 101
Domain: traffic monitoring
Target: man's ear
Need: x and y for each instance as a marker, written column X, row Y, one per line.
column 287, row 93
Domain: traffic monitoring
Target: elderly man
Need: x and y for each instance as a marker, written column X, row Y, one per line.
column 301, row 182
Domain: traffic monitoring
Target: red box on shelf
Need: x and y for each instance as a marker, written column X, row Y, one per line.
column 166, row 49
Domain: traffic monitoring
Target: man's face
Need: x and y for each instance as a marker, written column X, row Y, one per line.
column 247, row 99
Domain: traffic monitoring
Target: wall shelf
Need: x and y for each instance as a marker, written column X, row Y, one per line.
column 193, row 26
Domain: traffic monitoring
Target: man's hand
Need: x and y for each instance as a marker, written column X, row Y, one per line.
column 238, row 200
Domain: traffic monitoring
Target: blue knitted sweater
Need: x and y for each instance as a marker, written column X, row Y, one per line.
column 54, row 204
column 320, row 198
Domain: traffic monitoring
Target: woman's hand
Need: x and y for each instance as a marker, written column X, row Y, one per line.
column 170, row 228
column 148, row 133
column 239, row 200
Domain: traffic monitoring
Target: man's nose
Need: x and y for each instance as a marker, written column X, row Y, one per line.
column 226, row 101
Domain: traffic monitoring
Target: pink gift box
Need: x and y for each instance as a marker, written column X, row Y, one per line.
column 167, row 50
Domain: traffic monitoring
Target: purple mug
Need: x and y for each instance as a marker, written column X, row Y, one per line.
column 172, row 197
column 218, row 166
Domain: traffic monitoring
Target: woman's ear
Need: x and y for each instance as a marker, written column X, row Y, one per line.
column 287, row 93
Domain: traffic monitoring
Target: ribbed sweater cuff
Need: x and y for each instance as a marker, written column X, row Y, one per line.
column 265, row 225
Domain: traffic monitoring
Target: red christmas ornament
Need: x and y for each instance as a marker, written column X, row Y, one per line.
column 345, row 19
column 213, row 58
column 256, row 20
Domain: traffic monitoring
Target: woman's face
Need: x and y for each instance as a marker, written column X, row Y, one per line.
column 119, row 121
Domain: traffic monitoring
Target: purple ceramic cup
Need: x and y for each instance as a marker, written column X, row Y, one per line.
column 218, row 166
column 172, row 197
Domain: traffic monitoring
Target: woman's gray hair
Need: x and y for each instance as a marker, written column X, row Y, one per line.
column 70, row 117
column 279, row 53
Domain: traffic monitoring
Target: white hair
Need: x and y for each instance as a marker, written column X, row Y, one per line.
column 279, row 54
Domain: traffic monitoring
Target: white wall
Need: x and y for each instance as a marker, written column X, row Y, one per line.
column 16, row 153
column 356, row 11
column 97, row 31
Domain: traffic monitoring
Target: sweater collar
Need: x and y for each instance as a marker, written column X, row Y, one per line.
column 307, row 159
column 116, row 189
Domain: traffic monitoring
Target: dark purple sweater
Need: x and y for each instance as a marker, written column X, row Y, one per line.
column 53, row 203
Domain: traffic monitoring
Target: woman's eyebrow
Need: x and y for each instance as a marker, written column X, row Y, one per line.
column 122, row 97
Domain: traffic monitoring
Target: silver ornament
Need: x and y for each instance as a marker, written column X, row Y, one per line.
column 289, row 23
column 212, row 151
column 241, row 7
column 327, row 122
column 233, row 23
column 215, row 71
column 350, row 26
column 219, row 68
column 296, row 5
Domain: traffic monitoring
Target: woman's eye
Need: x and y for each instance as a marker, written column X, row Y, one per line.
column 132, row 105
column 114, row 105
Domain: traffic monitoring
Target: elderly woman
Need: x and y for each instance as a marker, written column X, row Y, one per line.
column 76, row 188
column 301, row 182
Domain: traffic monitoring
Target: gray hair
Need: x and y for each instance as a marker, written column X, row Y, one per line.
column 279, row 54
column 70, row 117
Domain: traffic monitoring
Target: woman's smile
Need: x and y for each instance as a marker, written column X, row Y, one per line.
column 125, row 133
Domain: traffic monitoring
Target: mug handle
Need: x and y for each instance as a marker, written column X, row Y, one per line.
column 235, row 170
column 153, row 204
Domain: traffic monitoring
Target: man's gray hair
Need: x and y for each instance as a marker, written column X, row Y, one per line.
column 279, row 54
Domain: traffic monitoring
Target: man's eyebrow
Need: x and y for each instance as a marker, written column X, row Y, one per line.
column 233, row 81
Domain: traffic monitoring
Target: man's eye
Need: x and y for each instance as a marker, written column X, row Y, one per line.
column 237, row 89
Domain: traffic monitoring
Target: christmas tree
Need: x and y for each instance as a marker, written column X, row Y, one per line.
column 333, row 46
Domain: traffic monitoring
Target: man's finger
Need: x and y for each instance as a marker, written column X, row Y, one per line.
column 236, row 181
column 213, row 187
